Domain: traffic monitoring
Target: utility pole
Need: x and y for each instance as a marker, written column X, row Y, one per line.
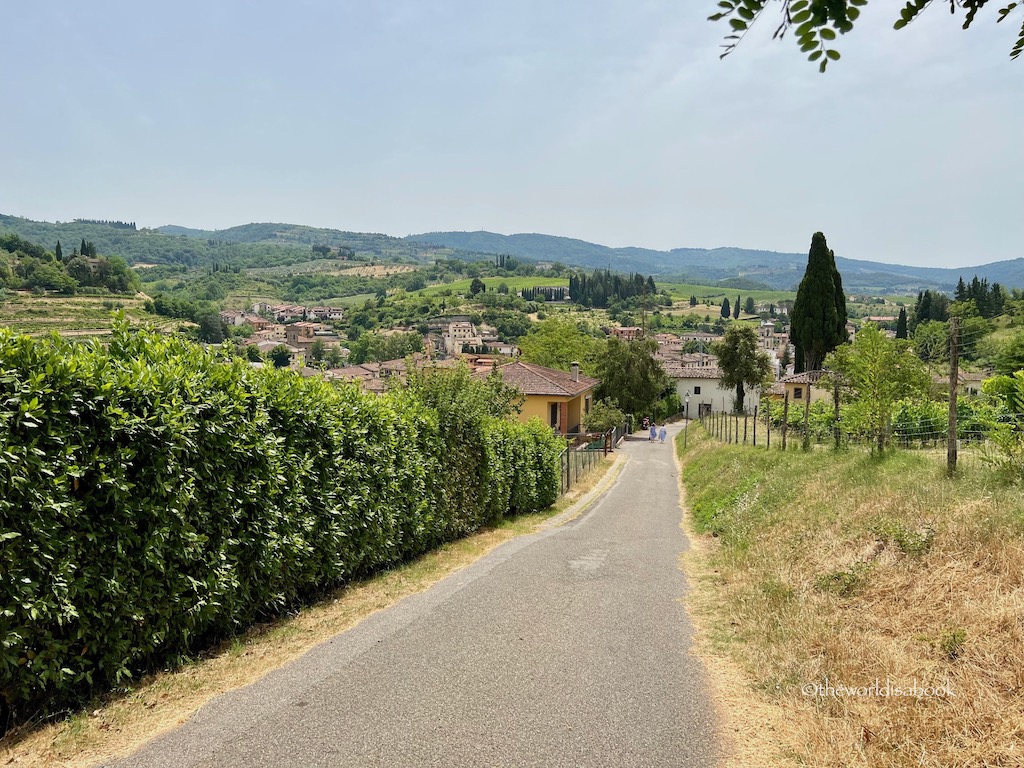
column 954, row 381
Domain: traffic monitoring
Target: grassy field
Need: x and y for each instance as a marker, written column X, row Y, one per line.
column 715, row 294
column 872, row 607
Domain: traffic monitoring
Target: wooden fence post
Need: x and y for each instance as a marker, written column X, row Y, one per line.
column 785, row 420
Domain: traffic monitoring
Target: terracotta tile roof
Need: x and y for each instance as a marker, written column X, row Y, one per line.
column 807, row 377
column 364, row 371
column 531, row 379
column 693, row 372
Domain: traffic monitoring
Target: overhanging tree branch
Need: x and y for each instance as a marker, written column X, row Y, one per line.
column 816, row 23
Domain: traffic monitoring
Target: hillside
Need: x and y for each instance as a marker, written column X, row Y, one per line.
column 277, row 244
column 781, row 271
column 249, row 245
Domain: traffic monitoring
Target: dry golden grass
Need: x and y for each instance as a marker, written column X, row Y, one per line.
column 842, row 570
column 120, row 724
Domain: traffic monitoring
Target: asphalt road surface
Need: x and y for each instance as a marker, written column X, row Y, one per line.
column 564, row 648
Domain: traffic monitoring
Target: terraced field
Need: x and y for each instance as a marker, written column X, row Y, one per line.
column 73, row 315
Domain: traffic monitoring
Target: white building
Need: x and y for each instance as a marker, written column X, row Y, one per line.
column 459, row 335
column 706, row 391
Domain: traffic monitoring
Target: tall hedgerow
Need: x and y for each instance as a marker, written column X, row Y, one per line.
column 155, row 497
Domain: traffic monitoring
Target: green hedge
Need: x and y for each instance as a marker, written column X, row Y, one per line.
column 155, row 497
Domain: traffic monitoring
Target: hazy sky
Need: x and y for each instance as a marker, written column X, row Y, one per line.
column 611, row 121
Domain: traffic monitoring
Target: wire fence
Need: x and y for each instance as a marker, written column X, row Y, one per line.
column 982, row 436
column 987, row 427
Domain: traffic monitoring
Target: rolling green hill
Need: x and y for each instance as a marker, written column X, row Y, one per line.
column 276, row 244
column 779, row 271
column 249, row 245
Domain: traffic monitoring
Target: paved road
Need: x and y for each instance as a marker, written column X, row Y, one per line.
column 563, row 648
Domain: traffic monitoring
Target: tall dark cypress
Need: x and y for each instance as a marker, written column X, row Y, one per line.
column 901, row 324
column 819, row 312
column 961, row 290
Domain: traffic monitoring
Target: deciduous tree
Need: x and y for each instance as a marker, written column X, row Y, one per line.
column 604, row 415
column 879, row 371
column 557, row 342
column 280, row 356
column 631, row 374
column 742, row 362
column 211, row 327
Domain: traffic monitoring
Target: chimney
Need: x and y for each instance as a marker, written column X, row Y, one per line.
column 575, row 371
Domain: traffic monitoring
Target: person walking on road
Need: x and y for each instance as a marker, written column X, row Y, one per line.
column 663, row 433
column 654, row 432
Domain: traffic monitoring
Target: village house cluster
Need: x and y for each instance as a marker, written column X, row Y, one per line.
column 558, row 398
column 294, row 326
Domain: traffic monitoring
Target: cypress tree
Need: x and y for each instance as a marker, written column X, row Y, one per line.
column 725, row 308
column 736, row 308
column 901, row 324
column 819, row 312
column 59, row 252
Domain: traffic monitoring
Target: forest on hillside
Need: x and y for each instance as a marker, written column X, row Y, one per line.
column 26, row 265
column 251, row 245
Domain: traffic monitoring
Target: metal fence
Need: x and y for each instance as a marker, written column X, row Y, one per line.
column 588, row 451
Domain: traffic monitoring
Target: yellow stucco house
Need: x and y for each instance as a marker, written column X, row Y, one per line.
column 800, row 387
column 557, row 398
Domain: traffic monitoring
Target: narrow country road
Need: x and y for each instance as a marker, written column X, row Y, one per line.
column 564, row 648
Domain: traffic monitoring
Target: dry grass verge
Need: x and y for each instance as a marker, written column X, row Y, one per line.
column 867, row 612
column 121, row 723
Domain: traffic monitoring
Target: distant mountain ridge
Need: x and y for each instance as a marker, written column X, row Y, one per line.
column 778, row 270
column 263, row 244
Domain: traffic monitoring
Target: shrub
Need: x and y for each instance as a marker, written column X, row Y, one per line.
column 155, row 498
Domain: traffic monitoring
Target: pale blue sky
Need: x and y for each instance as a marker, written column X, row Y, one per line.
column 610, row 121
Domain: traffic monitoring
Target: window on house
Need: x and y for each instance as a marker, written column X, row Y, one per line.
column 553, row 414
column 798, row 393
column 696, row 390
